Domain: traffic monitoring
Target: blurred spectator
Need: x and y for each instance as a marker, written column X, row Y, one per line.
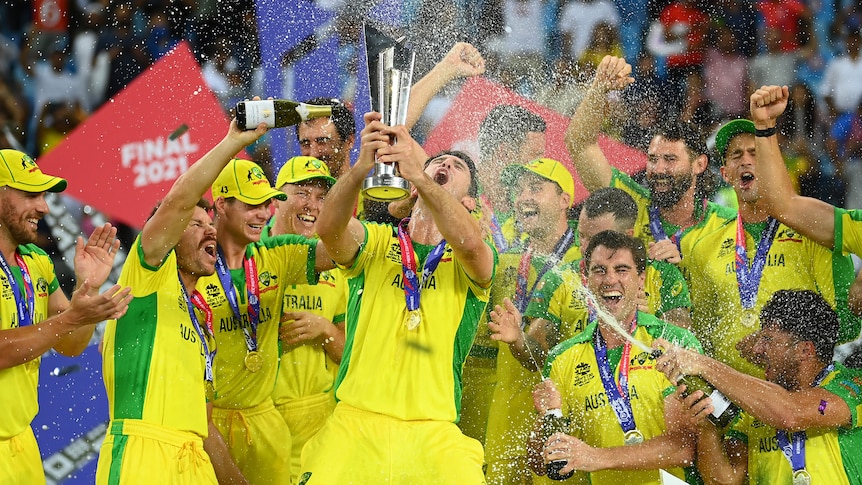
column 741, row 18
column 842, row 83
column 679, row 35
column 521, row 46
column 603, row 42
column 789, row 17
column 566, row 89
column 93, row 68
column 632, row 26
column 125, row 48
column 845, row 148
column 774, row 66
column 578, row 22
column 56, row 120
column 646, row 99
column 220, row 71
column 725, row 75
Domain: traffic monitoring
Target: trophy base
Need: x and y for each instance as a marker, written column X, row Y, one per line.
column 385, row 188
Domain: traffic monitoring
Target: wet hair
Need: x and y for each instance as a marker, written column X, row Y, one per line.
column 707, row 182
column 473, row 191
column 805, row 315
column 202, row 203
column 611, row 200
column 342, row 117
column 615, row 240
column 509, row 124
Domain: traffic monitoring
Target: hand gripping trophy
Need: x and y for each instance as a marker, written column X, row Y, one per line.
column 390, row 75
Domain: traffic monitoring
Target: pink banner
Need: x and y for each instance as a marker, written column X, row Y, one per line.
column 460, row 127
column 125, row 157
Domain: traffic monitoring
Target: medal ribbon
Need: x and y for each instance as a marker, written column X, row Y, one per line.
column 412, row 282
column 197, row 300
column 496, row 231
column 795, row 451
column 617, row 392
column 657, row 229
column 252, row 291
column 522, row 298
column 748, row 278
column 26, row 307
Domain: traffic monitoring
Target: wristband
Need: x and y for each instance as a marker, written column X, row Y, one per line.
column 767, row 132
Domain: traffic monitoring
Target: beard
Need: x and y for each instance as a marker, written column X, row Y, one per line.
column 679, row 184
column 21, row 232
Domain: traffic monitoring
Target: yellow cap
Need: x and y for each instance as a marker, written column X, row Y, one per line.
column 19, row 171
column 546, row 168
column 302, row 168
column 246, row 181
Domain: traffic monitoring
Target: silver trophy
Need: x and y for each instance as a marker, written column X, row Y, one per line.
column 390, row 75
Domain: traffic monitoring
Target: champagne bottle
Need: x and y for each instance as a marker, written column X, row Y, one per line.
column 554, row 422
column 725, row 409
column 277, row 113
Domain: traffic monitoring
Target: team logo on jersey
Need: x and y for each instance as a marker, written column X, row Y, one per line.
column 787, row 234
column 583, row 374
column 214, row 296
column 641, row 360
column 304, row 478
column 728, row 246
column 676, row 289
column 42, row 286
column 394, row 253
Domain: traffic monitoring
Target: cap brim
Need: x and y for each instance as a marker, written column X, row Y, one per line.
column 255, row 199
column 43, row 183
column 730, row 130
column 329, row 180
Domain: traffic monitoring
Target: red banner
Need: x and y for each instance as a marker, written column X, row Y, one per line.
column 125, row 157
column 460, row 127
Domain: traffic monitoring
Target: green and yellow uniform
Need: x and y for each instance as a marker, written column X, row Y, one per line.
column 510, row 417
column 243, row 410
column 153, row 367
column 557, row 298
column 643, row 199
column 848, row 231
column 407, row 383
column 793, row 262
column 20, row 461
column 831, row 455
column 303, row 390
column 573, row 367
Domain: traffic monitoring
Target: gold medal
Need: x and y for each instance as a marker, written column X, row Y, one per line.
column 801, row 477
column 749, row 318
column 634, row 437
column 413, row 319
column 253, row 361
column 210, row 390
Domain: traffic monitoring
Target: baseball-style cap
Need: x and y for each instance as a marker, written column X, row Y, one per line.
column 246, row 181
column 728, row 131
column 546, row 168
column 302, row 168
column 19, row 171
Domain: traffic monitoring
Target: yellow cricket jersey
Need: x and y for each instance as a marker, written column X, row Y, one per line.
column 153, row 358
column 793, row 262
column 573, row 368
column 643, row 199
column 388, row 369
column 19, row 383
column 510, row 418
column 832, row 455
column 281, row 261
column 558, row 300
column 305, row 370
column 848, row 231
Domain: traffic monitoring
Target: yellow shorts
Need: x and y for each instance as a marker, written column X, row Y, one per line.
column 363, row 448
column 304, row 418
column 20, row 461
column 479, row 377
column 258, row 441
column 136, row 452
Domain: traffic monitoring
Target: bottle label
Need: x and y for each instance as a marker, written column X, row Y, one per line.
column 257, row 112
column 720, row 403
